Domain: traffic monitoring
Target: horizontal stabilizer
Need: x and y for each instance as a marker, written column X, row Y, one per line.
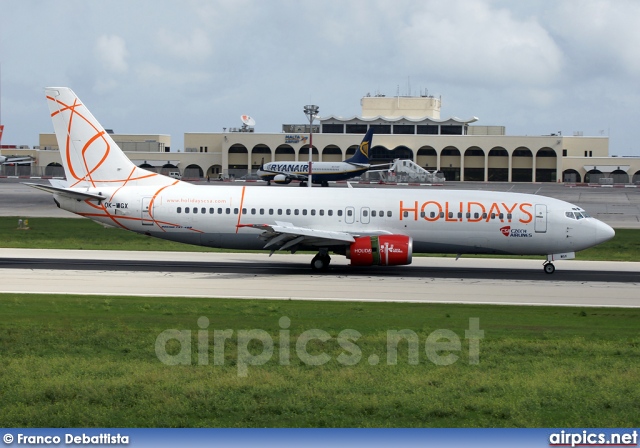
column 67, row 192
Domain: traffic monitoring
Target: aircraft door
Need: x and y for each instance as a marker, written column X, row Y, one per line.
column 365, row 215
column 540, row 224
column 146, row 215
column 350, row 215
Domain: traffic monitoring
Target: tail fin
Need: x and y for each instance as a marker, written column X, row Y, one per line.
column 89, row 155
column 362, row 154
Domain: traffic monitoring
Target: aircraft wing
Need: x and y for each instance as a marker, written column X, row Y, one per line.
column 284, row 235
column 67, row 192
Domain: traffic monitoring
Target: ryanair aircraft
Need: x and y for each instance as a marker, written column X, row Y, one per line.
column 368, row 226
column 321, row 172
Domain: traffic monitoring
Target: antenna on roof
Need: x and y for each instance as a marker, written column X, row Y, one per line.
column 247, row 123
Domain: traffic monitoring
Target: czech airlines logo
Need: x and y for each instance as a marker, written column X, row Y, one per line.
column 515, row 233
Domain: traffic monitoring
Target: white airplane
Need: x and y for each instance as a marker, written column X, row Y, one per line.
column 368, row 226
column 321, row 172
column 6, row 160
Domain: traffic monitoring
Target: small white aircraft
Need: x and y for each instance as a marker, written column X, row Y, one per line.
column 321, row 172
column 368, row 226
column 6, row 160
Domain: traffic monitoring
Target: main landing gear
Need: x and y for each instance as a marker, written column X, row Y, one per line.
column 548, row 267
column 321, row 261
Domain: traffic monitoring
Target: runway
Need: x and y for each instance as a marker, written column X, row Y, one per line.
column 288, row 277
column 285, row 276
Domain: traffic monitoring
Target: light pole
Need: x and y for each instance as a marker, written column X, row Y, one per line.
column 311, row 111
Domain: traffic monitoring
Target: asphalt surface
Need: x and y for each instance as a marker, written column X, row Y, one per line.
column 289, row 277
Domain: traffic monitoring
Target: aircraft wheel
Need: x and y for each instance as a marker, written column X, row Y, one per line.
column 320, row 262
column 303, row 184
column 549, row 268
column 325, row 183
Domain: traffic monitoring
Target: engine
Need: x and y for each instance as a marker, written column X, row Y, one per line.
column 384, row 250
column 281, row 179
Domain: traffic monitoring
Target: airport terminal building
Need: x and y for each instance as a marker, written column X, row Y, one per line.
column 405, row 128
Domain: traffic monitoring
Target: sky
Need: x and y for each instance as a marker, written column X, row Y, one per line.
column 170, row 67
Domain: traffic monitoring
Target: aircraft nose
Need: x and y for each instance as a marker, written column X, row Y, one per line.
column 604, row 232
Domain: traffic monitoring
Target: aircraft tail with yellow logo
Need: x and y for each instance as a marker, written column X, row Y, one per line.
column 361, row 157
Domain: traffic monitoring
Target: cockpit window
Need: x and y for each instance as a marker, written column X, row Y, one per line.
column 579, row 215
column 586, row 215
column 569, row 215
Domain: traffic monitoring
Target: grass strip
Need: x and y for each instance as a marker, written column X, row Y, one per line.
column 87, row 361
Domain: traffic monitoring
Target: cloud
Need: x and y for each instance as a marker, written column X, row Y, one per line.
column 476, row 43
column 194, row 47
column 600, row 37
column 111, row 52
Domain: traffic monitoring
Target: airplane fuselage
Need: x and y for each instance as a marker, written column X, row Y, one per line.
column 451, row 221
column 321, row 171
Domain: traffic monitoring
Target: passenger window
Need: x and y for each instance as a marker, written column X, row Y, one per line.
column 179, row 210
column 228, row 211
column 476, row 215
column 235, row 211
column 509, row 216
column 422, row 214
column 219, row 211
column 211, row 211
column 381, row 214
column 493, row 216
column 321, row 212
column 406, row 214
column 501, row 216
column 271, row 211
column 262, row 211
column 432, row 214
column 253, row 211
column 349, row 212
column 203, row 210
column 389, row 214
column 296, row 212
column 339, row 212
column 244, row 211
column 442, row 214
column 484, row 216
column 186, row 209
column 288, row 211
column 195, row 209
column 450, row 215
column 468, row 215
column 304, row 212
column 330, row 212
column 459, row 215
column 313, row 212
column 279, row 211
column 365, row 213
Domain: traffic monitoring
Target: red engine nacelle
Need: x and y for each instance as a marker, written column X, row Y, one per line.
column 384, row 250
